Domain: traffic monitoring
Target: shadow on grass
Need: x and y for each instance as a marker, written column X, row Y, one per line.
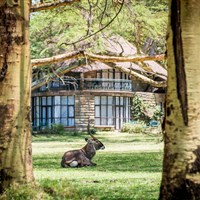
column 138, row 162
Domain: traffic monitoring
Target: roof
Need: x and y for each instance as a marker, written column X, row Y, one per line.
column 118, row 46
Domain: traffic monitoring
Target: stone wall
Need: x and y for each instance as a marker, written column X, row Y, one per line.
column 84, row 109
column 151, row 98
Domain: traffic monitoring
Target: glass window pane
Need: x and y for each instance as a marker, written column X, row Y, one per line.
column 49, row 112
column 49, row 100
column 103, row 121
column 97, row 121
column 57, row 120
column 117, row 100
column 121, row 100
column 110, row 100
column 43, row 112
column 43, row 88
column 44, row 122
column 110, row 111
column 64, row 100
column 64, row 111
column 71, row 100
column 103, row 111
column 71, row 111
column 71, row 122
column 57, row 111
column 103, row 100
column 43, row 100
column 97, row 111
column 37, row 101
column 57, row 100
column 64, row 121
column 48, row 122
column 97, row 100
column 55, row 84
column 37, row 122
column 37, row 113
column 110, row 121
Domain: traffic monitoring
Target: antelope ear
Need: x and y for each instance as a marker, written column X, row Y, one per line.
column 86, row 139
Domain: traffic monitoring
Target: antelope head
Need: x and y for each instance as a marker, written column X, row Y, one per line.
column 97, row 144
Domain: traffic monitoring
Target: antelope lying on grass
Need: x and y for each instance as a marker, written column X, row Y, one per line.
column 82, row 157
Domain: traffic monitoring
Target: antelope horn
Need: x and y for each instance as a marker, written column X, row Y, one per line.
column 92, row 136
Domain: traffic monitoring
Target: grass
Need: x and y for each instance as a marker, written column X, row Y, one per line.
column 128, row 169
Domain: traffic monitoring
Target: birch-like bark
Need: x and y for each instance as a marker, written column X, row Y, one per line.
column 181, row 164
column 15, row 93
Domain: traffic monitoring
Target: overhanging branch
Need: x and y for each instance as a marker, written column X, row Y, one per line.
column 47, row 6
column 138, row 76
column 60, row 71
column 93, row 57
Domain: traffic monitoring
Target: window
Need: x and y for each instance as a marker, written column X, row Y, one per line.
column 111, row 74
column 111, row 110
column 53, row 109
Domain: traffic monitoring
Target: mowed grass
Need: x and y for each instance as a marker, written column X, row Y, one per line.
column 128, row 168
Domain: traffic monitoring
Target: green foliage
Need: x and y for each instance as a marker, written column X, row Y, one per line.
column 158, row 114
column 93, row 131
column 137, row 127
column 53, row 31
column 138, row 110
column 53, row 129
column 145, row 112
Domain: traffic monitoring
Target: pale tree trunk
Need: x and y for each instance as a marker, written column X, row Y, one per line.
column 181, row 165
column 15, row 79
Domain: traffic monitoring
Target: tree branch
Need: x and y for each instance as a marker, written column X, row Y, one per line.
column 59, row 72
column 93, row 57
column 47, row 6
column 79, row 63
column 138, row 76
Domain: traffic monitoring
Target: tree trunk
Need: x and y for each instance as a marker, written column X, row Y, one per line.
column 15, row 93
column 181, row 164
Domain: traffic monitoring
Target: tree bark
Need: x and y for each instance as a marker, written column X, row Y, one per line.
column 181, row 164
column 15, row 93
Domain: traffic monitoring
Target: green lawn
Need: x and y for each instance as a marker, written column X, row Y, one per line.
column 129, row 167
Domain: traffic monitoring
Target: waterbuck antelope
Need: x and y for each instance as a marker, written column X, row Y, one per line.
column 82, row 157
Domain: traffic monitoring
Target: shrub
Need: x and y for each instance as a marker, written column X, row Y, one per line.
column 138, row 110
column 54, row 129
column 134, row 127
column 93, row 131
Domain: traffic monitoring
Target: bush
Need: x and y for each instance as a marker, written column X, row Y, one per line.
column 54, row 129
column 93, row 131
column 139, row 110
column 134, row 127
